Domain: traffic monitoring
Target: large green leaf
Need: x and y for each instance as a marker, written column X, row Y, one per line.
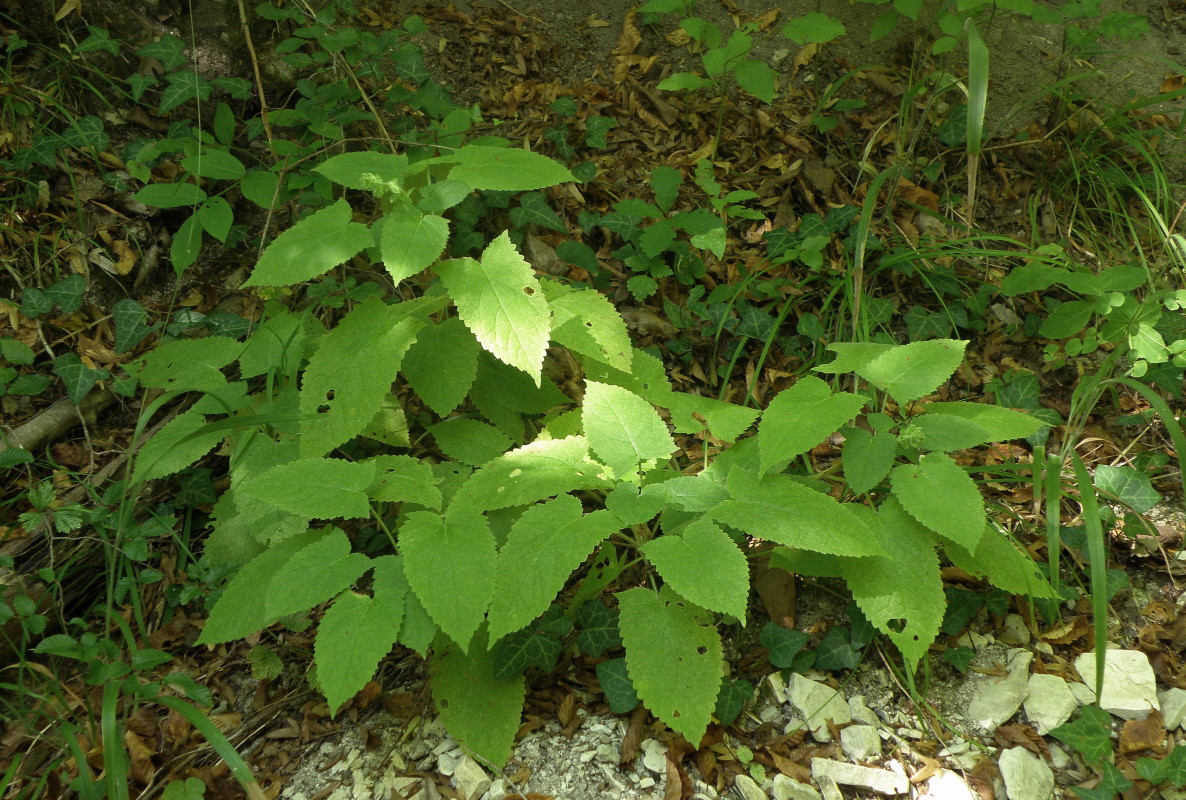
column 289, row 577
column 533, row 472
column 404, row 479
column 584, row 321
column 441, row 364
column 504, row 169
column 410, row 241
column 314, row 488
column 364, row 169
column 868, row 458
column 1004, row 564
column 704, row 565
column 543, row 548
column 312, row 247
column 187, row 365
column 692, row 413
column 470, row 441
column 357, row 631
column 956, row 426
column 450, row 564
column 174, row 447
column 624, row 431
column 350, row 374
column 779, row 509
column 801, row 417
column 482, row 711
column 907, row 372
column 673, row 655
column 941, row 495
column 501, row 301
column 902, row 595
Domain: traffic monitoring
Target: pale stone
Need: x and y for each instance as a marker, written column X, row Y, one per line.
column 1014, row 631
column 1173, row 707
column 996, row 700
column 948, row 785
column 818, row 704
column 1026, row 776
column 748, row 789
column 654, row 757
column 1130, row 689
column 790, row 789
column 470, row 779
column 1049, row 702
column 881, row 781
column 860, row 742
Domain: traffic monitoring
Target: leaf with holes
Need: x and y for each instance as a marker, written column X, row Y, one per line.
column 501, row 301
column 533, row 472
column 673, row 656
column 450, row 563
column 404, row 479
column 350, row 374
column 584, row 321
column 481, row 711
column 312, row 247
column 960, row 515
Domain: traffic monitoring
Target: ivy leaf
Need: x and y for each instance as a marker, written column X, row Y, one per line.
column 783, row 645
column 801, row 417
column 835, row 652
column 673, row 656
column 1128, row 485
column 538, row 645
column 960, row 515
column 1171, row 769
column 533, row 209
column 504, row 168
column 732, row 699
column 314, row 488
column 868, row 458
column 183, row 86
column 441, row 364
column 1089, row 734
column 533, row 472
column 587, row 323
column 625, row 431
column 501, row 301
column 77, row 377
column 779, row 509
column 169, row 50
column 704, row 565
column 289, row 577
column 312, row 247
column 547, row 543
column 130, row 329
column 481, row 711
column 616, row 686
column 174, row 447
column 410, row 241
column 357, row 631
column 599, row 628
column 1112, row 782
column 338, row 396
column 450, row 563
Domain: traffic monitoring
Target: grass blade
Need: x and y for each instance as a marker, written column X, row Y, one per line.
column 1097, row 555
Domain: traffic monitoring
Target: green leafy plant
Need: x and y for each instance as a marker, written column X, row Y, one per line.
column 310, row 435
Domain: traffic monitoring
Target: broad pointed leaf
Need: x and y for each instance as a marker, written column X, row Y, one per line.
column 450, row 564
column 533, row 472
column 502, row 302
column 543, row 548
column 410, row 241
column 314, row 488
column 624, row 431
column 673, row 655
column 441, row 364
column 941, row 495
column 801, row 417
column 312, row 247
column 704, row 565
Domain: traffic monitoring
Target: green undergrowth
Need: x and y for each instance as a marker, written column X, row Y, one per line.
column 323, row 423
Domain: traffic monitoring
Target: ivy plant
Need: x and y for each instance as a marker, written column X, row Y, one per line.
column 528, row 485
